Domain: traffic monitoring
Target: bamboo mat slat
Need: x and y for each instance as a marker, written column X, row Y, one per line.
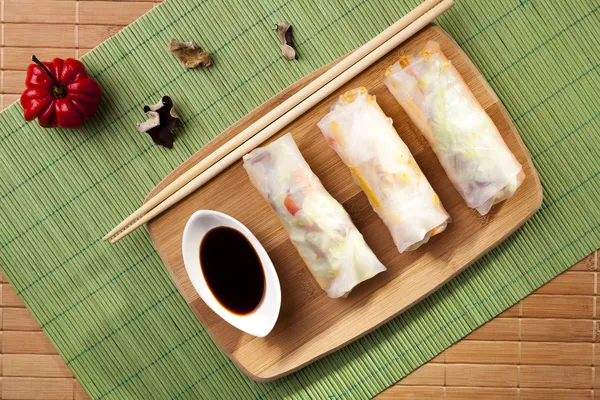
column 30, row 365
column 515, row 357
column 544, row 347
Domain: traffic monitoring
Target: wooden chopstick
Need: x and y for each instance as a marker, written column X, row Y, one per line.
column 271, row 116
column 278, row 118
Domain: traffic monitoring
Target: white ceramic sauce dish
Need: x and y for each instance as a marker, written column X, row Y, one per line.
column 260, row 321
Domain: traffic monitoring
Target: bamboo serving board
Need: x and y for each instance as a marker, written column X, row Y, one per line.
column 310, row 324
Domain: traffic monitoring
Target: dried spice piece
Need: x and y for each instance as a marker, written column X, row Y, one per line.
column 189, row 55
column 284, row 30
column 163, row 120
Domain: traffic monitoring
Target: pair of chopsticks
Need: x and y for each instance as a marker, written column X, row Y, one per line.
column 282, row 115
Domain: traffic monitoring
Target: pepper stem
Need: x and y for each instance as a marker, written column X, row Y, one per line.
column 59, row 88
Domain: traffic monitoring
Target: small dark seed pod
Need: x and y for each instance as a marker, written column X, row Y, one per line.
column 284, row 30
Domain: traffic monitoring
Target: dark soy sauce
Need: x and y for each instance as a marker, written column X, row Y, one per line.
column 232, row 270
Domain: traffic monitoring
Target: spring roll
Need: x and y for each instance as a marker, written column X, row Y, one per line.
column 321, row 230
column 364, row 138
column 463, row 136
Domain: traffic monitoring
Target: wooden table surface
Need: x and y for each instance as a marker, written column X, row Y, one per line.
column 543, row 348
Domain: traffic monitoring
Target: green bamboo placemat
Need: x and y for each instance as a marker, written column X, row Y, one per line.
column 113, row 312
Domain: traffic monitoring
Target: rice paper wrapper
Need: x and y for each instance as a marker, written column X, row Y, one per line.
column 382, row 165
column 463, row 136
column 332, row 248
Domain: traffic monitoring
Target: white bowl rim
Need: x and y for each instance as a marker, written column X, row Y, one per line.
column 260, row 321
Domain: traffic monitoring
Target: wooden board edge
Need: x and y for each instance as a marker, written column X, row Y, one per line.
column 261, row 378
column 260, row 110
column 537, row 203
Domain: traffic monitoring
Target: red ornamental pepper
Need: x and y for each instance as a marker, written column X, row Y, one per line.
column 59, row 93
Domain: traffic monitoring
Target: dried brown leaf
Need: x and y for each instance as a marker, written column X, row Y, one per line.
column 189, row 55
